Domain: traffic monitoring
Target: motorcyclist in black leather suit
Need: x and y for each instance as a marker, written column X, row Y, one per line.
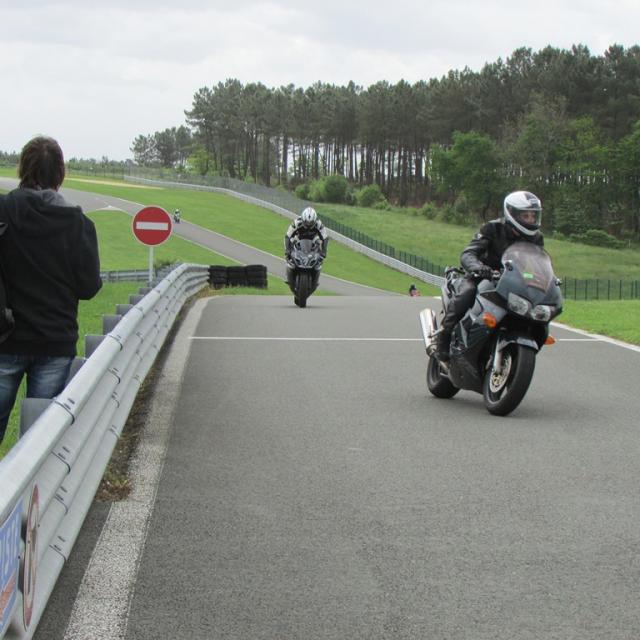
column 521, row 221
column 307, row 226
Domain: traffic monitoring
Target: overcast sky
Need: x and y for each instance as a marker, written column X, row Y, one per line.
column 95, row 77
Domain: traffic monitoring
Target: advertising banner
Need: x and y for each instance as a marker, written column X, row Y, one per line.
column 9, row 564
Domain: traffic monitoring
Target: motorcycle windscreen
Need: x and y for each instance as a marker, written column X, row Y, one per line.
column 306, row 246
column 305, row 253
column 533, row 263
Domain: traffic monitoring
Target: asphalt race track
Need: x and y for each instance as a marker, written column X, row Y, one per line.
column 312, row 488
column 297, row 481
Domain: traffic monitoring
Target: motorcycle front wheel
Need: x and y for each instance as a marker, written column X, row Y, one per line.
column 304, row 282
column 504, row 390
column 439, row 385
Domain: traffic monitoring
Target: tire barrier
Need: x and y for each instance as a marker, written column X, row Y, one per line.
column 49, row 477
column 251, row 275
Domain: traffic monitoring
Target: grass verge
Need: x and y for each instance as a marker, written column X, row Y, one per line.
column 255, row 226
column 614, row 318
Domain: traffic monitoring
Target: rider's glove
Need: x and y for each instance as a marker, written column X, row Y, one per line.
column 484, row 272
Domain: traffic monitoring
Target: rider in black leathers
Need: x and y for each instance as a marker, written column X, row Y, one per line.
column 521, row 221
column 307, row 226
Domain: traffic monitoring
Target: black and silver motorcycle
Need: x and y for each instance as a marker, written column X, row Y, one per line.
column 303, row 268
column 494, row 346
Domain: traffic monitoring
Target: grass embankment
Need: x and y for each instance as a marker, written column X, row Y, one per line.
column 441, row 243
column 618, row 319
column 254, row 226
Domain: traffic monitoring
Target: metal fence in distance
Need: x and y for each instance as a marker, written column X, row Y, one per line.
column 600, row 289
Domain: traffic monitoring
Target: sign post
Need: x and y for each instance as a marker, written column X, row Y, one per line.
column 152, row 226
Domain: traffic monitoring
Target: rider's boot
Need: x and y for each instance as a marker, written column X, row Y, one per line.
column 440, row 345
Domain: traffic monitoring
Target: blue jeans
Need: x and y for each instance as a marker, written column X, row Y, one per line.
column 46, row 377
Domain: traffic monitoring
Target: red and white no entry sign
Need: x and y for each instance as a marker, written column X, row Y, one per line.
column 152, row 226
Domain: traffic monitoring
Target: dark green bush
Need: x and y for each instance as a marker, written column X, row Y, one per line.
column 462, row 213
column 336, row 189
column 382, row 205
column 369, row 195
column 597, row 238
column 447, row 214
column 302, row 191
column 429, row 211
column 316, row 191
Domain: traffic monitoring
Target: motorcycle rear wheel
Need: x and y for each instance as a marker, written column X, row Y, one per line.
column 503, row 391
column 304, row 283
column 439, row 385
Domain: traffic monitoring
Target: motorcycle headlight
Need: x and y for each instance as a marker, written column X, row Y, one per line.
column 542, row 312
column 518, row 304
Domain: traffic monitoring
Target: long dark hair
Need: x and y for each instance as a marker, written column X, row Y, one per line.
column 41, row 164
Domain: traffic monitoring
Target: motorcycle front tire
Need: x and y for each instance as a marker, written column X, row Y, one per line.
column 503, row 393
column 304, row 283
column 439, row 385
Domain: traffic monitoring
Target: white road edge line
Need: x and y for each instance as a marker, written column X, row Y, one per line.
column 101, row 608
column 596, row 336
column 295, row 339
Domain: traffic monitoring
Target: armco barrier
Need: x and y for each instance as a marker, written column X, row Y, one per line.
column 133, row 275
column 431, row 278
column 49, row 478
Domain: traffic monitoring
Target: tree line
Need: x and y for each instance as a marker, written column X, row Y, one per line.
column 562, row 123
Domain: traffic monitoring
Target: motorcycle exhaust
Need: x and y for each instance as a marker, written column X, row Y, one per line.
column 429, row 327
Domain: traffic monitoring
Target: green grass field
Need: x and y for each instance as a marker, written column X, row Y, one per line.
column 254, row 226
column 442, row 243
column 119, row 250
column 618, row 319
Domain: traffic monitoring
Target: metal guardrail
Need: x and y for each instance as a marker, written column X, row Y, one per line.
column 50, row 476
column 133, row 275
column 389, row 261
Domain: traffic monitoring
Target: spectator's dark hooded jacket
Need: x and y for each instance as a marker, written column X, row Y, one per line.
column 49, row 260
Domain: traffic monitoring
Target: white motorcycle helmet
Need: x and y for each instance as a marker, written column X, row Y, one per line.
column 309, row 217
column 523, row 210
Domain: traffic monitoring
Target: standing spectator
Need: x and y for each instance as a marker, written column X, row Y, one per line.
column 48, row 260
column 413, row 291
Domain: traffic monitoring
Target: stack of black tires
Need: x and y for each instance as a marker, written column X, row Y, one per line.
column 252, row 275
column 217, row 276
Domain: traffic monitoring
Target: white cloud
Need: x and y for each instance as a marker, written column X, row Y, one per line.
column 97, row 77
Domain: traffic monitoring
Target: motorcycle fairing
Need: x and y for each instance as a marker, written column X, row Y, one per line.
column 529, row 273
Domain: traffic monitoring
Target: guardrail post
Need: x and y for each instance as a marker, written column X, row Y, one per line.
column 76, row 365
column 122, row 309
column 109, row 322
column 91, row 343
column 30, row 410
